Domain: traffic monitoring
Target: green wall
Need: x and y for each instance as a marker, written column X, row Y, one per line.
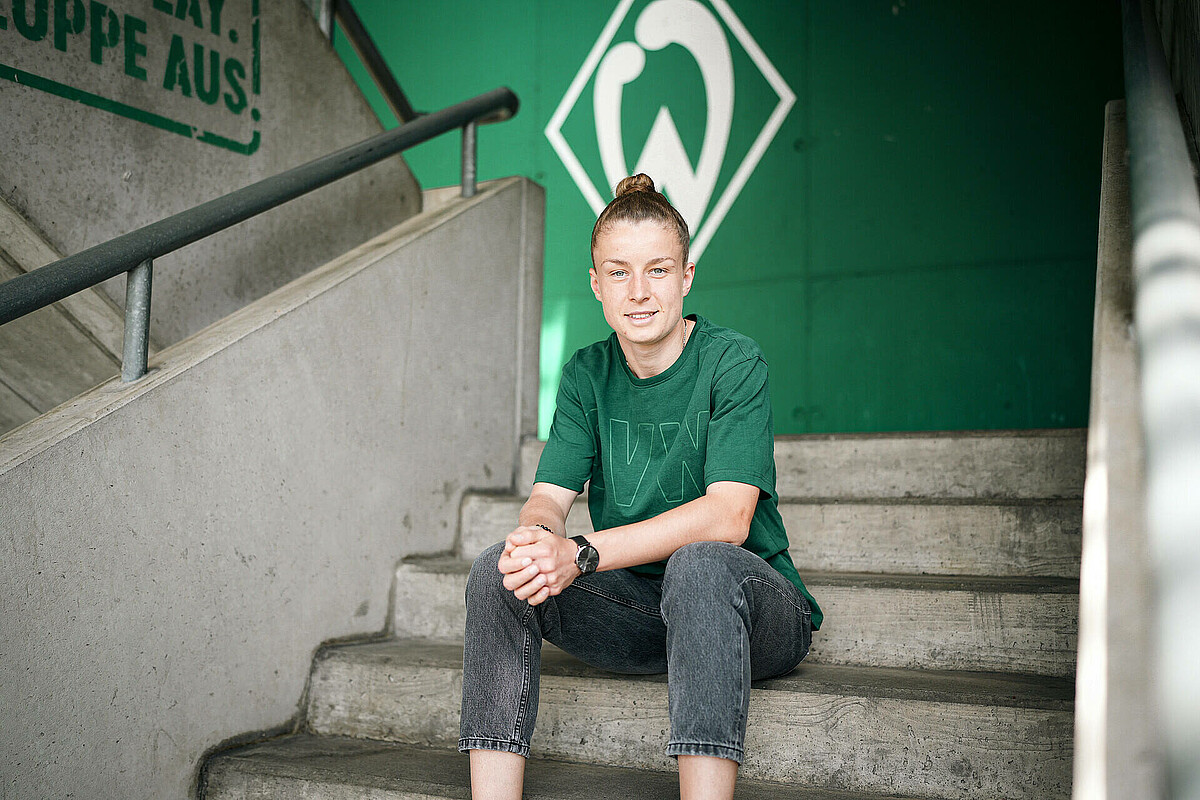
column 916, row 248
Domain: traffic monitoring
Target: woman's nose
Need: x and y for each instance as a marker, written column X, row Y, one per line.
column 639, row 288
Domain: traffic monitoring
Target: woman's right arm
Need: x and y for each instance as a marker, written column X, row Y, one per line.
column 547, row 505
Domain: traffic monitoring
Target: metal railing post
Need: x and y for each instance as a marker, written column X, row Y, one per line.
column 468, row 159
column 137, row 320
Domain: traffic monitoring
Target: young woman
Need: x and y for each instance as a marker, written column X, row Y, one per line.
column 688, row 572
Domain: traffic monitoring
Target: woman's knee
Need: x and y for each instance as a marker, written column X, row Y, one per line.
column 701, row 569
column 703, row 560
column 485, row 576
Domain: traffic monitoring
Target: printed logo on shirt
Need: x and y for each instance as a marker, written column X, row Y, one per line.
column 671, row 454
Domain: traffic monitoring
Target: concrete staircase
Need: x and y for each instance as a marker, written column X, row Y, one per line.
column 947, row 565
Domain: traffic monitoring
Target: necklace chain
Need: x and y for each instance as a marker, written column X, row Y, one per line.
column 685, row 338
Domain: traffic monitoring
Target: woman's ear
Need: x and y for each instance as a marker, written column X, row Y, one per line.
column 689, row 272
column 595, row 283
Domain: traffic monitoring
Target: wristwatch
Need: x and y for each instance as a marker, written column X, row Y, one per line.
column 586, row 557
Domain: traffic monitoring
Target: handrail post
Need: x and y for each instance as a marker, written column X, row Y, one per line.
column 468, row 158
column 137, row 320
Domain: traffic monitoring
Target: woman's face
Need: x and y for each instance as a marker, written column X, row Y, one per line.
column 639, row 277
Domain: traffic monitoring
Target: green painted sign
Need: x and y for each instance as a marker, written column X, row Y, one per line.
column 191, row 67
column 896, row 198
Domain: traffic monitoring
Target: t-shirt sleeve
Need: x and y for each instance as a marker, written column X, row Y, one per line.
column 741, row 438
column 571, row 447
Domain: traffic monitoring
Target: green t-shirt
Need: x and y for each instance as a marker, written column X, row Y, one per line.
column 649, row 445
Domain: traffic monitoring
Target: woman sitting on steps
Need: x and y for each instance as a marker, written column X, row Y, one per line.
column 688, row 572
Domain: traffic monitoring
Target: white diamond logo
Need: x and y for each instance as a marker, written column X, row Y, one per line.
column 693, row 26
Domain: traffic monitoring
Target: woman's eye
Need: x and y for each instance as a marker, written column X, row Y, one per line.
column 658, row 271
column 617, row 273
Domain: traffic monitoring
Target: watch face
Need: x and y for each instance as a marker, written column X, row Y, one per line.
column 587, row 559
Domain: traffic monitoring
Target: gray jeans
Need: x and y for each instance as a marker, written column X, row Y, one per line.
column 717, row 619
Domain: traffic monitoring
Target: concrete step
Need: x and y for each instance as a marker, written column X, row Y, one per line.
column 340, row 768
column 935, row 537
column 873, row 730
column 998, row 464
column 1023, row 625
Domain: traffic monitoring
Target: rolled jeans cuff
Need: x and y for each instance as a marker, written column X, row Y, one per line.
column 676, row 749
column 501, row 745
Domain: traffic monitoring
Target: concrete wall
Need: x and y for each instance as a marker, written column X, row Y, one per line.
column 172, row 552
column 53, row 354
column 91, row 150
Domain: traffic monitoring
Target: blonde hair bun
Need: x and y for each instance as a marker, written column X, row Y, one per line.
column 634, row 183
column 636, row 200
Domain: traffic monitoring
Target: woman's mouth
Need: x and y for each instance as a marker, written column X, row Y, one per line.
column 640, row 315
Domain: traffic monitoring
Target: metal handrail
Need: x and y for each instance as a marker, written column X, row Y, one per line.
column 1166, row 267
column 356, row 33
column 134, row 252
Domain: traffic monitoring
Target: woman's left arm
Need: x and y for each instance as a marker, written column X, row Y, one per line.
column 721, row 514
